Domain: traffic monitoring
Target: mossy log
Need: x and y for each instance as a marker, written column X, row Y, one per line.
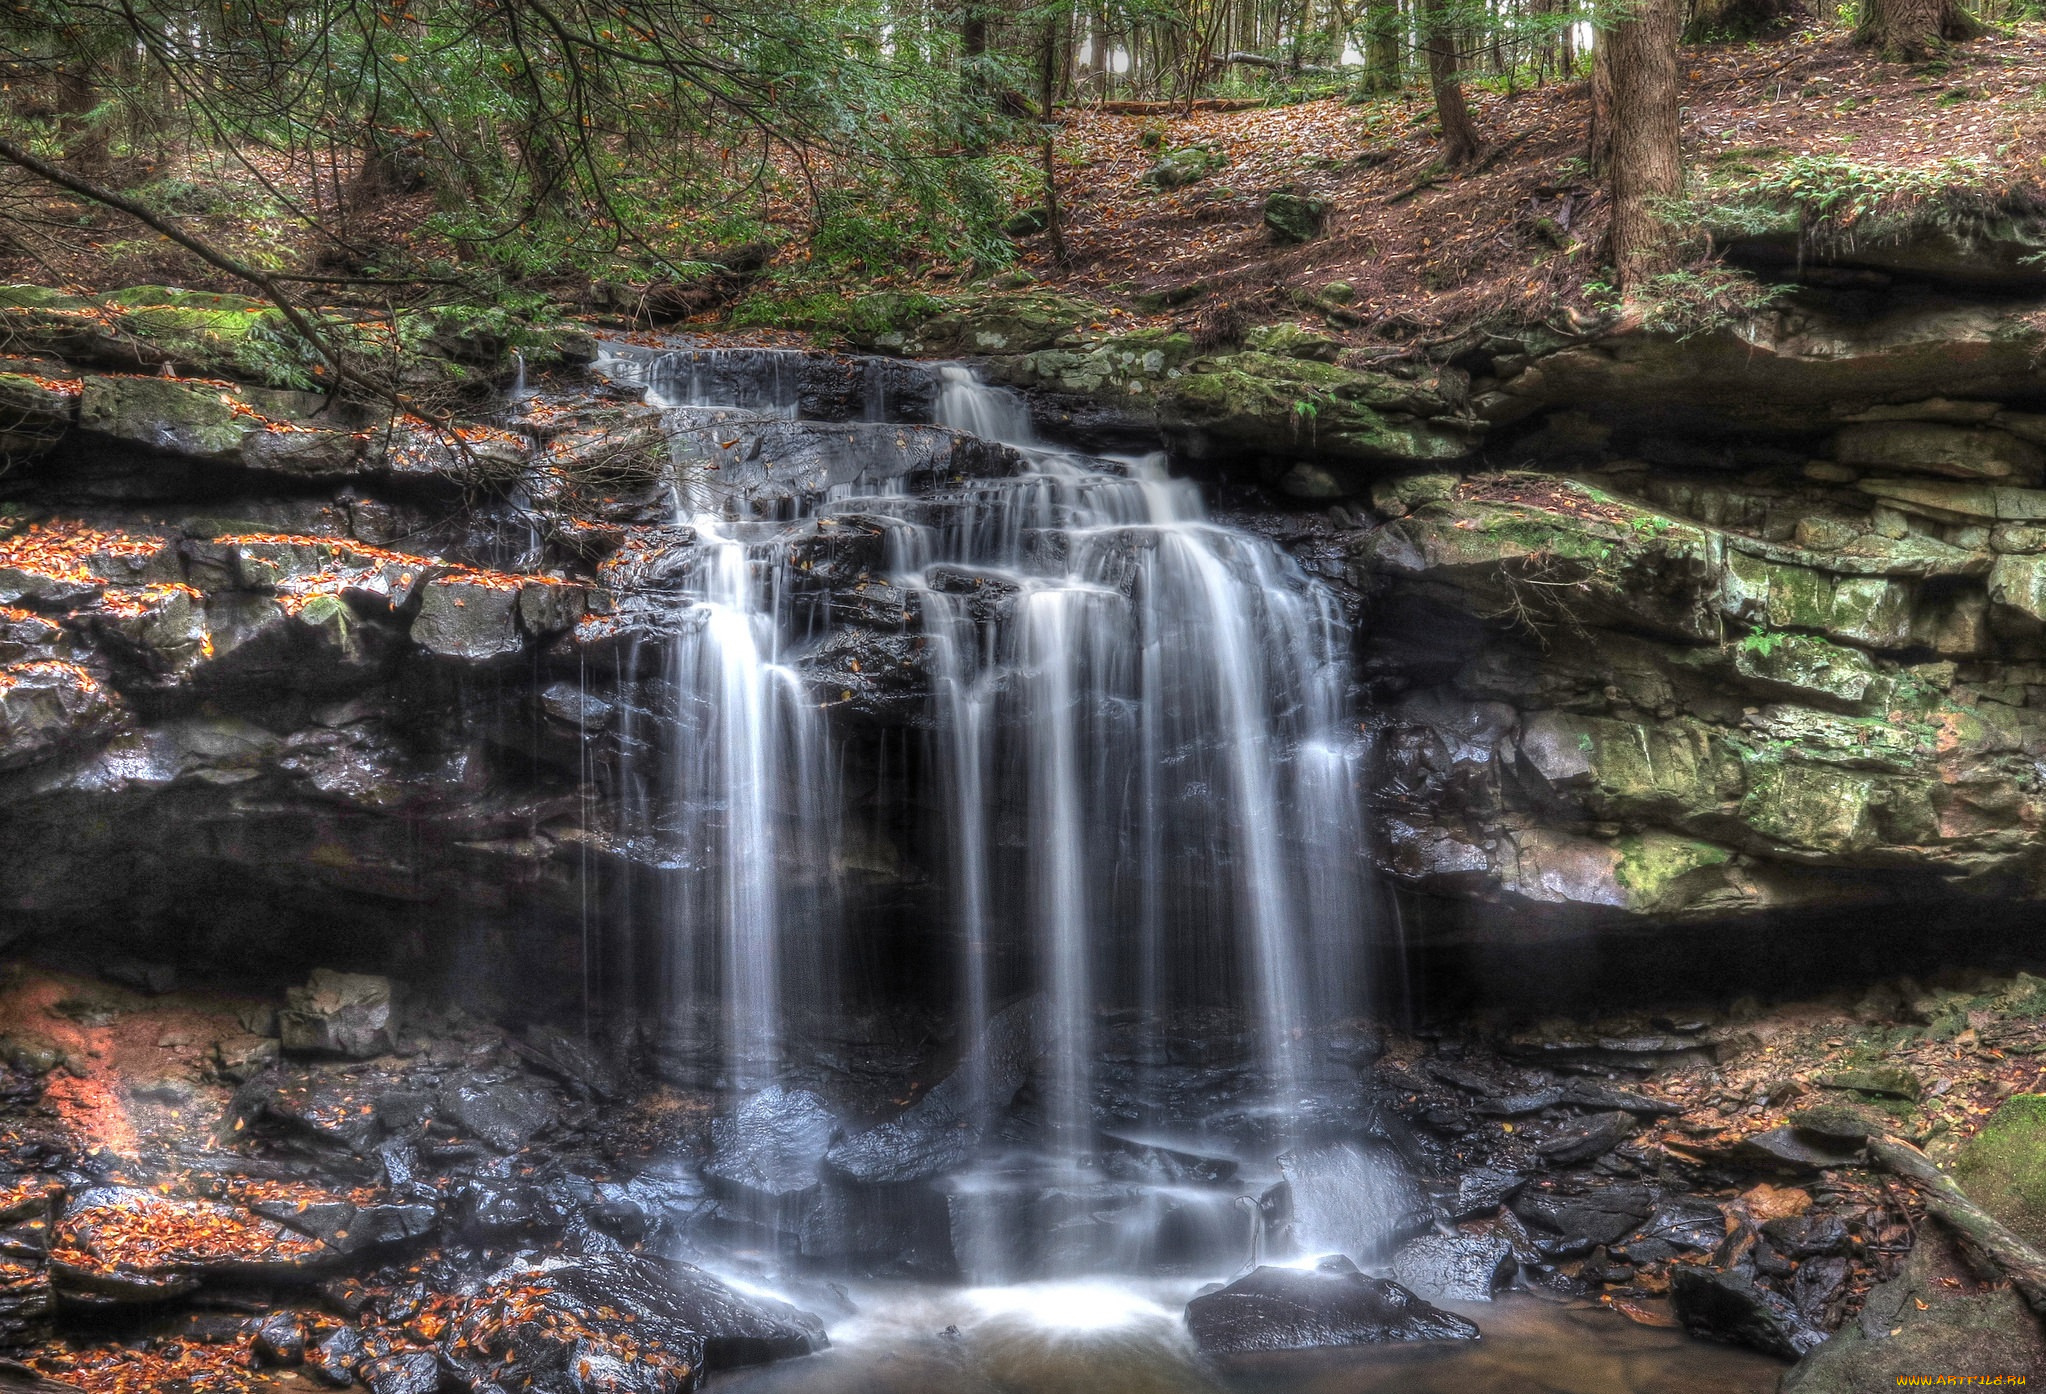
column 2017, row 1260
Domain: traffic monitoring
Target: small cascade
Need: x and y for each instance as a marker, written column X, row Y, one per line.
column 1144, row 777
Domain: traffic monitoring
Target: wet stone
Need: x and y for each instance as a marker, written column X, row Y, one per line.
column 1594, row 1214
column 118, row 1244
column 773, row 1146
column 1482, row 1190
column 620, row 1322
column 333, row 1360
column 1791, row 1149
column 505, row 1114
column 339, row 1014
column 1683, row 1224
column 1330, row 1305
column 1454, row 1267
column 416, row 1373
column 1591, row 1138
column 280, row 1340
column 1733, row 1308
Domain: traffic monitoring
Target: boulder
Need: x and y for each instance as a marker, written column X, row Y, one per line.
column 118, row 1244
column 772, row 1147
column 1332, row 1304
column 1294, row 218
column 1455, row 1267
column 504, row 1113
column 338, row 1014
column 1355, row 1199
column 49, row 707
column 1733, row 1307
column 627, row 1323
column 469, row 618
column 1178, row 168
column 1585, row 1213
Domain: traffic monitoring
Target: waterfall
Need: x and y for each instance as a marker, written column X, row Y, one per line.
column 1137, row 735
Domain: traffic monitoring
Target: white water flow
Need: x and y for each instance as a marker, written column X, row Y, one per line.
column 1138, row 745
column 1170, row 700
column 752, row 778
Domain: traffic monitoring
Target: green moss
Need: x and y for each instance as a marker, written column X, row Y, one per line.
column 1652, row 863
column 2003, row 1168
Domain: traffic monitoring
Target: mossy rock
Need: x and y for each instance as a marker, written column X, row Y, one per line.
column 1278, row 403
column 1294, row 218
column 1178, row 168
column 2003, row 1167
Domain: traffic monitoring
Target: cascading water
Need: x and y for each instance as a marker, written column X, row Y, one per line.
column 1137, row 735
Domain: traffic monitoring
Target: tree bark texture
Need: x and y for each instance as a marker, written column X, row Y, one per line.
column 1913, row 29
column 1460, row 141
column 1646, row 165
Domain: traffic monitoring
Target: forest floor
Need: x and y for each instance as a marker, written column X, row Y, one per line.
column 1424, row 251
column 1807, row 127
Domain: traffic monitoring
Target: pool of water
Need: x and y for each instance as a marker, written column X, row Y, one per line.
column 1117, row 1338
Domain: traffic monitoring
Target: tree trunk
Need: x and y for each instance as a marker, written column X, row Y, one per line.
column 1598, row 136
column 1459, row 136
column 1913, row 29
column 1047, row 83
column 1647, row 160
column 1382, row 65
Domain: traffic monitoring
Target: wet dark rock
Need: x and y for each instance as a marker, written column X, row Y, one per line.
column 573, row 1060
column 1819, row 1290
column 349, row 1111
column 347, row 1228
column 415, row 1373
column 1361, row 1200
column 907, row 1149
column 1683, row 1223
column 118, row 1244
column 885, row 1229
column 492, row 1211
column 1454, row 1267
column 773, row 1145
column 339, row 1014
column 1810, row 1235
column 1482, row 1190
column 1330, row 1305
column 1592, row 1213
column 1789, row 1149
column 644, row 1325
column 762, row 465
column 504, row 1113
column 1593, row 1094
column 938, row 1132
column 1731, row 1307
column 1591, row 1138
column 1521, row 1104
column 333, row 1360
column 280, row 1340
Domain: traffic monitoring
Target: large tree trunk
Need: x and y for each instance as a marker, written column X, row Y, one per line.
column 1913, row 29
column 1646, row 165
column 1382, row 46
column 1459, row 136
column 1598, row 136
